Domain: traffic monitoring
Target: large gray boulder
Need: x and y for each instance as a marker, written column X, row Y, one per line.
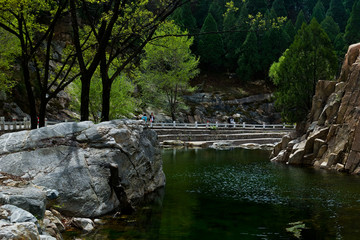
column 95, row 168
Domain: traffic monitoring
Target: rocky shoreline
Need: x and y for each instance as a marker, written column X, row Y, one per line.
column 81, row 170
column 331, row 136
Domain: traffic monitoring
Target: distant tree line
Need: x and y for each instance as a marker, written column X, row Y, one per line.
column 250, row 35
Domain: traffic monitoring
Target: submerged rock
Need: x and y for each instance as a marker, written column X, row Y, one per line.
column 95, row 169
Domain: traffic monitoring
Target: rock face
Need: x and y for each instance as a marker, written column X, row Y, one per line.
column 94, row 168
column 332, row 138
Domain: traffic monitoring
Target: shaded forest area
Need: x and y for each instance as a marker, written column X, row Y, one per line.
column 254, row 34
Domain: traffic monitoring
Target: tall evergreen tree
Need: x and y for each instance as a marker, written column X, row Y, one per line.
column 290, row 30
column 338, row 13
column 230, row 41
column 279, row 8
column 309, row 58
column 349, row 4
column 249, row 59
column 319, row 12
column 326, row 4
column 184, row 18
column 331, row 28
column 211, row 47
column 352, row 32
column 340, row 46
column 217, row 10
column 255, row 6
column 300, row 20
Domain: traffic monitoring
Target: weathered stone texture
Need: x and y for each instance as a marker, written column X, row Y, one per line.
column 332, row 138
column 75, row 159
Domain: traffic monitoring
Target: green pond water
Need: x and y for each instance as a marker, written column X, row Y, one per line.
column 240, row 194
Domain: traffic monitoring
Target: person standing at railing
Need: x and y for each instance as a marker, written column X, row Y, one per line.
column 144, row 117
column 152, row 118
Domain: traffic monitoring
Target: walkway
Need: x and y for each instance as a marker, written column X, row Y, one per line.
column 204, row 135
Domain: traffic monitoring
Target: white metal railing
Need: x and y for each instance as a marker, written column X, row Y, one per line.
column 15, row 124
column 221, row 125
column 26, row 124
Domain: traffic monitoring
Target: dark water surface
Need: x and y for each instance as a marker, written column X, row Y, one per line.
column 239, row 194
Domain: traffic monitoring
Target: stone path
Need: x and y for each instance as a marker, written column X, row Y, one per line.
column 196, row 137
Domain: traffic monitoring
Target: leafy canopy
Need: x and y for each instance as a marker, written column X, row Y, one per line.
column 167, row 67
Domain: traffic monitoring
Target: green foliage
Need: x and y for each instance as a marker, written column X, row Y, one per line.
column 340, row 46
column 352, row 32
column 309, row 58
column 166, row 68
column 338, row 13
column 330, row 27
column 349, row 4
column 211, row 47
column 122, row 104
column 279, row 8
column 9, row 51
column 184, row 18
column 217, row 11
column 255, row 6
column 300, row 20
column 249, row 58
column 290, row 30
column 319, row 12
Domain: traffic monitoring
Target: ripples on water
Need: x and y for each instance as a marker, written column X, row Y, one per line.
column 240, row 194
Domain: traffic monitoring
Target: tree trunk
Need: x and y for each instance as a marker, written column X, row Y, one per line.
column 29, row 91
column 85, row 91
column 42, row 111
column 106, row 84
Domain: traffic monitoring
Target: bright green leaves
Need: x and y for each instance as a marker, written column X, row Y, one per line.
column 167, row 67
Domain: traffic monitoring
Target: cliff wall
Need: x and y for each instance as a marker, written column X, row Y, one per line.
column 332, row 131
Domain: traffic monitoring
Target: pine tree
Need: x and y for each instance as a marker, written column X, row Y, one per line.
column 309, row 58
column 349, row 4
column 230, row 40
column 352, row 32
column 249, row 59
column 255, row 6
column 211, row 47
column 279, row 8
column 217, row 10
column 319, row 12
column 184, row 18
column 300, row 20
column 290, row 30
column 326, row 4
column 338, row 13
column 340, row 46
column 331, row 28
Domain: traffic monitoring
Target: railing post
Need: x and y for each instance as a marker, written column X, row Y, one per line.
column 66, row 120
column 162, row 125
column 234, row 125
column 244, row 124
column 216, row 124
column 263, row 124
column 46, row 122
column 2, row 123
column 196, row 124
column 174, row 124
column 25, row 122
column 14, row 123
column 283, row 125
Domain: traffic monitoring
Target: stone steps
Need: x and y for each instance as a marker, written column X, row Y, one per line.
column 210, row 137
column 202, row 137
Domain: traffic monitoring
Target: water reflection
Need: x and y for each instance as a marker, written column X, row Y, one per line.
column 239, row 194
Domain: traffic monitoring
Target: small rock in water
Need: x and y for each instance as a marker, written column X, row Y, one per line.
column 85, row 224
